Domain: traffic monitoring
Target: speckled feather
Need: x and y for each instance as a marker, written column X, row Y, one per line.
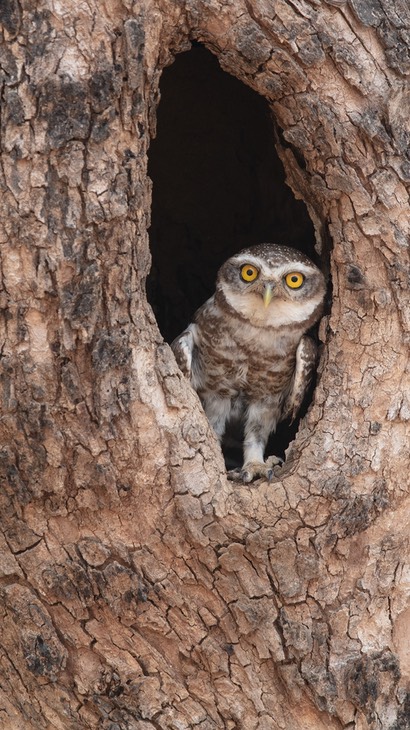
column 251, row 361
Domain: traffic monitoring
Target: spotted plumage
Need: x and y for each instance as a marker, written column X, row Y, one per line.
column 246, row 352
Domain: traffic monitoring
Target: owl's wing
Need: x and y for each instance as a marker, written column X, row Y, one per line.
column 306, row 355
column 184, row 350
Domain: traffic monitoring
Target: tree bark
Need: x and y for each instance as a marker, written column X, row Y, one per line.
column 139, row 588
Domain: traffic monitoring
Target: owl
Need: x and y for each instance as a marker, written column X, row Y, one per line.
column 246, row 352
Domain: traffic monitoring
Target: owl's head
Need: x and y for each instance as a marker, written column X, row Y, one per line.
column 272, row 285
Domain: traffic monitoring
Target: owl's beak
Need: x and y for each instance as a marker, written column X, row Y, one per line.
column 267, row 294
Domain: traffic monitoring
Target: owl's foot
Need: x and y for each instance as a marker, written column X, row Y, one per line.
column 255, row 469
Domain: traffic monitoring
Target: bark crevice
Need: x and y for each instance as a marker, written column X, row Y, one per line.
column 139, row 589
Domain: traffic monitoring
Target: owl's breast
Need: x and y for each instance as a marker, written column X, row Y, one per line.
column 224, row 367
column 269, row 376
column 239, row 360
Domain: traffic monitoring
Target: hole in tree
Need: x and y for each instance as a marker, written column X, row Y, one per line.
column 218, row 186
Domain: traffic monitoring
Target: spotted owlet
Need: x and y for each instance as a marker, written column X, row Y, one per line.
column 246, row 352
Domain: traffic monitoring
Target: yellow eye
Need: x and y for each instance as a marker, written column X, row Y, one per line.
column 249, row 272
column 294, row 280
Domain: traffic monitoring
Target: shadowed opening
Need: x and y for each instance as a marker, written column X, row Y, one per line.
column 218, row 186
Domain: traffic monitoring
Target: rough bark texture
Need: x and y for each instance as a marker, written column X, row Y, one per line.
column 139, row 589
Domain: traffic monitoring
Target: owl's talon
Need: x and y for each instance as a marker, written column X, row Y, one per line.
column 235, row 475
column 255, row 470
column 273, row 461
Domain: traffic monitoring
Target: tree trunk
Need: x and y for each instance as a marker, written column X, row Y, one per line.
column 139, row 588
